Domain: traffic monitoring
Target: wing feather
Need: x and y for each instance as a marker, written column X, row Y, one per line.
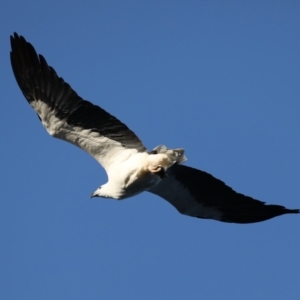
column 199, row 194
column 66, row 115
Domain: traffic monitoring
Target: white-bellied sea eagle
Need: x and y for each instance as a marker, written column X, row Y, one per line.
column 130, row 167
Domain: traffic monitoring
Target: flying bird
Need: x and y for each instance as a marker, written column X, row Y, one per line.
column 130, row 167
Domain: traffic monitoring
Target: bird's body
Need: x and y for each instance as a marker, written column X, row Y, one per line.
column 130, row 175
column 131, row 169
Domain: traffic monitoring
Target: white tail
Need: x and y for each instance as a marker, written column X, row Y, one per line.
column 175, row 155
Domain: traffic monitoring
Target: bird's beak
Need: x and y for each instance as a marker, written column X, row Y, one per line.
column 94, row 195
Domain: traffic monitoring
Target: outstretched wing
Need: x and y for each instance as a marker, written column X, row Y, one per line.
column 199, row 194
column 64, row 114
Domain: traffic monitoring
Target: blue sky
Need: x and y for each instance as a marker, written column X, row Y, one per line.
column 219, row 78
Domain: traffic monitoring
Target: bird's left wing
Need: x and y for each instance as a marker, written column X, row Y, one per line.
column 66, row 115
column 199, row 194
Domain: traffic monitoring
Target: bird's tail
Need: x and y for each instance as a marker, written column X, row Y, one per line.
column 175, row 155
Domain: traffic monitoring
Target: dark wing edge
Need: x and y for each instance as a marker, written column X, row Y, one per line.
column 199, row 194
column 39, row 81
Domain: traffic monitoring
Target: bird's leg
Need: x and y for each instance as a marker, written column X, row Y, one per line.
column 158, row 170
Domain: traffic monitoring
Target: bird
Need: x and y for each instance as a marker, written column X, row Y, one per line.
column 131, row 168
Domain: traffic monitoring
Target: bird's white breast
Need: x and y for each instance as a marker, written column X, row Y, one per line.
column 131, row 176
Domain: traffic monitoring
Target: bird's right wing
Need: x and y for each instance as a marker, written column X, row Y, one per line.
column 199, row 194
column 66, row 115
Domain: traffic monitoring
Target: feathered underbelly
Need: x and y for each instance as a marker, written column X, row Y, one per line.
column 138, row 183
column 143, row 171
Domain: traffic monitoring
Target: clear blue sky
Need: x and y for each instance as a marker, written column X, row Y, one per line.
column 219, row 78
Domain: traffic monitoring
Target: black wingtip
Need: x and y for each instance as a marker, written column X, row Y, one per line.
column 24, row 59
column 16, row 38
column 258, row 213
column 293, row 211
